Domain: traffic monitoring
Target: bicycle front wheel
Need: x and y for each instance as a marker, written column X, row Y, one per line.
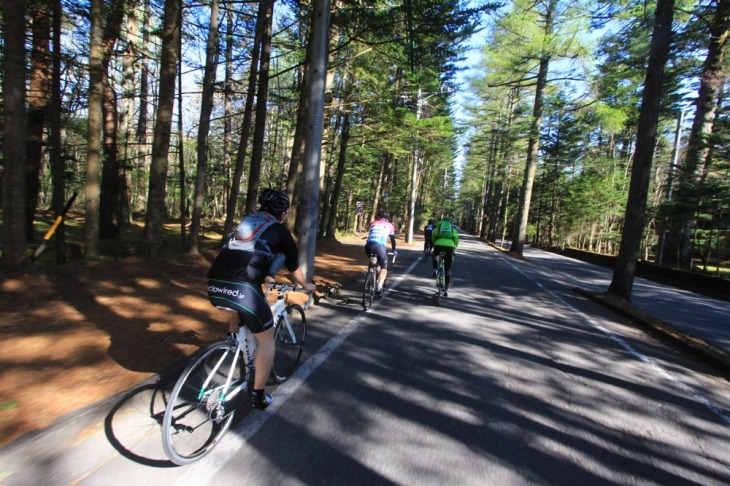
column 200, row 408
column 291, row 330
column 369, row 290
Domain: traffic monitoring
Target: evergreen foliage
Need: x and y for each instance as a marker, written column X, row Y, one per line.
column 392, row 74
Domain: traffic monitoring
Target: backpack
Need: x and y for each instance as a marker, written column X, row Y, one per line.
column 248, row 233
column 443, row 230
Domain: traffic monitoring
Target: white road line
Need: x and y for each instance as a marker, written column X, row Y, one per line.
column 200, row 472
column 235, row 439
column 653, row 364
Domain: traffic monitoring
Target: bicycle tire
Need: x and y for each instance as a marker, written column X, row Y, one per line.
column 369, row 289
column 289, row 348
column 193, row 424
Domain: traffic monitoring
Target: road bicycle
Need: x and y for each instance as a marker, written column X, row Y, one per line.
column 427, row 248
column 440, row 277
column 369, row 291
column 202, row 404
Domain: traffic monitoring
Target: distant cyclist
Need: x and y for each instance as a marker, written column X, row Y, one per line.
column 445, row 240
column 259, row 245
column 427, row 232
column 380, row 231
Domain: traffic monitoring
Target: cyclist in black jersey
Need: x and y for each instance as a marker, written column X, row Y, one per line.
column 427, row 232
column 259, row 245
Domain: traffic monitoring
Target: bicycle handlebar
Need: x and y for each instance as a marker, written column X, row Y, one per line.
column 282, row 287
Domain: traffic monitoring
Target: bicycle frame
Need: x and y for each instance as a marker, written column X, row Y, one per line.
column 247, row 343
column 279, row 308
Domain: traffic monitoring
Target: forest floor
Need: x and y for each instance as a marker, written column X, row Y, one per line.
column 80, row 333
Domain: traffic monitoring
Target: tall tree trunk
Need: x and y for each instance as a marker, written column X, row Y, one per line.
column 14, row 244
column 110, row 173
column 342, row 159
column 206, row 108
column 93, row 158
column 698, row 146
column 143, row 162
column 623, row 274
column 38, row 102
column 259, row 131
column 154, row 229
column 330, row 136
column 246, row 125
column 379, row 185
column 130, row 150
column 181, row 154
column 488, row 189
column 56, row 160
column 327, row 174
column 228, row 105
column 297, row 151
column 309, row 201
column 533, row 145
column 661, row 244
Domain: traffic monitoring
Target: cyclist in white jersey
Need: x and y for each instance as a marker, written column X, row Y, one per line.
column 380, row 231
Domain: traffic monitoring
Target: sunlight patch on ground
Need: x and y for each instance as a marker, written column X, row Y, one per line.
column 148, row 283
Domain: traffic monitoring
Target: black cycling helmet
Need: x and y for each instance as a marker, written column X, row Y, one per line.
column 430, row 221
column 273, row 201
column 383, row 215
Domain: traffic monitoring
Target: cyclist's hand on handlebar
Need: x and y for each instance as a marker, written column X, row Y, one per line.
column 310, row 287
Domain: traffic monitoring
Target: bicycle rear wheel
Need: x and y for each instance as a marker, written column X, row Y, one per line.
column 200, row 408
column 440, row 275
column 289, row 342
column 369, row 290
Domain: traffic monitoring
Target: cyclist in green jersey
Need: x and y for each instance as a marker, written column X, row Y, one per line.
column 445, row 240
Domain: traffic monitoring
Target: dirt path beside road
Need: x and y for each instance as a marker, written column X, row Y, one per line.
column 84, row 332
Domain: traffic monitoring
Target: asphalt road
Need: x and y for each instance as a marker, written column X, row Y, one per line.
column 513, row 379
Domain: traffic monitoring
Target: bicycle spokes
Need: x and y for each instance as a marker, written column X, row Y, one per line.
column 289, row 339
column 201, row 406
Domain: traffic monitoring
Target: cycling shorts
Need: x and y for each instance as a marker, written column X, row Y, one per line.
column 245, row 298
column 376, row 248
